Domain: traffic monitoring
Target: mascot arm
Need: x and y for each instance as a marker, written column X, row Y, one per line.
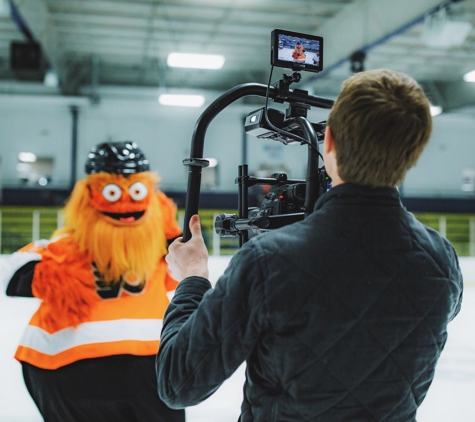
column 64, row 281
column 170, row 224
column 172, row 231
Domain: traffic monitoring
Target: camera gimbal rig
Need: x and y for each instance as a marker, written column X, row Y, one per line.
column 264, row 123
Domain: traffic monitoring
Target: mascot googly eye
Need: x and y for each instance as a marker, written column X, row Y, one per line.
column 111, row 193
column 138, row 191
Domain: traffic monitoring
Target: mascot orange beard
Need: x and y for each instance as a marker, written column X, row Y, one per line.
column 117, row 221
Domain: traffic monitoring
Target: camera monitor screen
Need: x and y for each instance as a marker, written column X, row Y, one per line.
column 296, row 51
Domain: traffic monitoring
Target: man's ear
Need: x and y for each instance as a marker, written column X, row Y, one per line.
column 329, row 157
column 329, row 142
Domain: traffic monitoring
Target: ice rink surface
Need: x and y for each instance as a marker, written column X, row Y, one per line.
column 450, row 398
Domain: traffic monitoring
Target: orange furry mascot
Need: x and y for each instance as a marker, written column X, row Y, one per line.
column 299, row 53
column 88, row 352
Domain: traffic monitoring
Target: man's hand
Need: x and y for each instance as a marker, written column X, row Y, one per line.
column 190, row 258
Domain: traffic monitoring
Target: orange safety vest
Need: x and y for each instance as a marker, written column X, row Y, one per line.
column 123, row 319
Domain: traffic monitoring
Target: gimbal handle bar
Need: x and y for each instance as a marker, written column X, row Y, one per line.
column 195, row 163
column 311, row 189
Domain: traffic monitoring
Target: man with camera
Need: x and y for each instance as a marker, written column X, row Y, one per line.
column 341, row 316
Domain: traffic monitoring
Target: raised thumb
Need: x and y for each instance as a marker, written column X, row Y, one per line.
column 195, row 226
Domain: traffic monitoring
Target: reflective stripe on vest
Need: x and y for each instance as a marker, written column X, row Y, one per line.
column 50, row 351
column 91, row 332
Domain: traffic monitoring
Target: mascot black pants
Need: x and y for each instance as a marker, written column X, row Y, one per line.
column 115, row 388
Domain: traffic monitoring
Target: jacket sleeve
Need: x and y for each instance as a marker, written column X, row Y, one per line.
column 207, row 333
column 456, row 278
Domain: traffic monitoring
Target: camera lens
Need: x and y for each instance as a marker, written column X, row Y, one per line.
column 296, row 192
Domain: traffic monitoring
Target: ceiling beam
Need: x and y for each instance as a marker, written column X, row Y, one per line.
column 37, row 17
column 365, row 24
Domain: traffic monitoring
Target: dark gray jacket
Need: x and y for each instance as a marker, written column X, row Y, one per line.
column 341, row 317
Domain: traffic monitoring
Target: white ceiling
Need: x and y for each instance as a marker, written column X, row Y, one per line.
column 98, row 43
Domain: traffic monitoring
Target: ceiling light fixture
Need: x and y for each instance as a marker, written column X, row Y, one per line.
column 51, row 79
column 195, row 61
column 27, row 157
column 469, row 76
column 435, row 110
column 213, row 162
column 181, row 100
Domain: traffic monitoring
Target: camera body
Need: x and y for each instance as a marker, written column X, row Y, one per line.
column 283, row 204
column 284, row 198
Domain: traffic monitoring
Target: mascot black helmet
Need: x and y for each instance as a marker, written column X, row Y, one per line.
column 116, row 157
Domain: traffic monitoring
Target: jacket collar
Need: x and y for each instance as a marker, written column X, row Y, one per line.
column 350, row 193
